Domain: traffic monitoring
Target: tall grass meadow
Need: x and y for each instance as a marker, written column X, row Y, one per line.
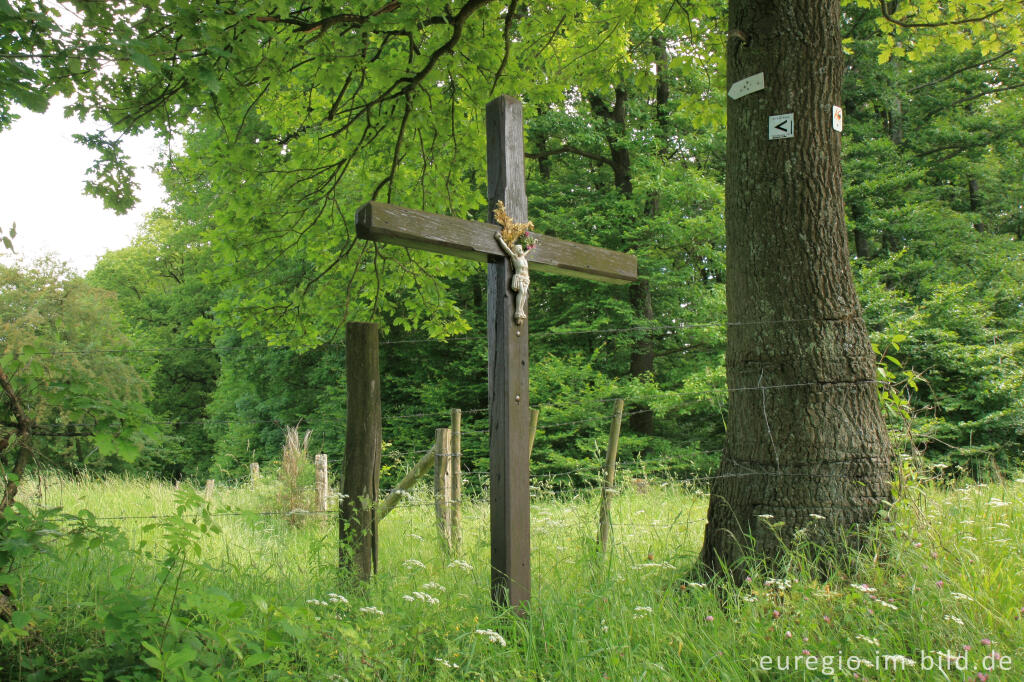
column 139, row 581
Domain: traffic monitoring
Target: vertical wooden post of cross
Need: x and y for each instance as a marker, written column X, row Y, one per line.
column 357, row 521
column 508, row 382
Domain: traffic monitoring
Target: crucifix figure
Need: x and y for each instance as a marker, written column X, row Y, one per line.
column 520, row 276
column 508, row 381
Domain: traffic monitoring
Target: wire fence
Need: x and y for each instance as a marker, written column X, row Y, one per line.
column 540, row 483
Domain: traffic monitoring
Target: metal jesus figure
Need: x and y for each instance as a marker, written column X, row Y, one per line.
column 520, row 278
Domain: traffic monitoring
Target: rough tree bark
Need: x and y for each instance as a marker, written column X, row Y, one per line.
column 805, row 433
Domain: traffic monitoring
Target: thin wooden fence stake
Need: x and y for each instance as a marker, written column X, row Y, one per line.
column 456, row 480
column 609, row 481
column 443, row 486
column 534, row 418
column 254, row 472
column 408, row 481
column 208, row 490
column 320, row 482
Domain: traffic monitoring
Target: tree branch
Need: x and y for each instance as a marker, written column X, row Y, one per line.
column 970, row 20
column 333, row 20
column 509, row 16
column 959, row 71
column 24, row 442
column 569, row 149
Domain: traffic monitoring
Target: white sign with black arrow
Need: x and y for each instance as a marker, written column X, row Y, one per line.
column 780, row 127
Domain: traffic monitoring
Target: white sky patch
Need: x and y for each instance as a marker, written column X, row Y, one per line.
column 42, row 177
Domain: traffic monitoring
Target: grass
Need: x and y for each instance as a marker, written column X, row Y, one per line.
column 253, row 596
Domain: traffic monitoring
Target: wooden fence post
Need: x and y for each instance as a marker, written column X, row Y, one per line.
column 534, row 418
column 357, row 521
column 609, row 480
column 321, row 482
column 443, row 486
column 254, row 472
column 208, row 490
column 456, row 482
column 410, row 478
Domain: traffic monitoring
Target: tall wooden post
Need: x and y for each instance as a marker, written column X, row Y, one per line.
column 508, row 368
column 357, row 522
column 456, row 469
column 609, row 476
column 320, row 481
column 443, row 486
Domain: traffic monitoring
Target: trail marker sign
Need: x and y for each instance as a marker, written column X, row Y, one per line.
column 780, row 127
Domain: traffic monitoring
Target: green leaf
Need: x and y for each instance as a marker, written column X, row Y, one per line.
column 181, row 658
column 257, row 659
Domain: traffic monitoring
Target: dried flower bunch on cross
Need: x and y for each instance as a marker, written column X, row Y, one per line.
column 511, row 231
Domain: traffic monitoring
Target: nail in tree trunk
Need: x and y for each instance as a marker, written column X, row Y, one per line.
column 357, row 522
column 805, row 434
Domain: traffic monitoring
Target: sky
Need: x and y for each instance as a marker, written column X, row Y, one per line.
column 42, row 177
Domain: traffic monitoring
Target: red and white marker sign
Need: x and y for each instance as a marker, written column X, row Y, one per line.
column 837, row 119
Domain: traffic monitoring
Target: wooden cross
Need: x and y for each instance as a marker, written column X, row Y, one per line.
column 508, row 382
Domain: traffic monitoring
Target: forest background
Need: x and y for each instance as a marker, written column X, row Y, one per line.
column 187, row 353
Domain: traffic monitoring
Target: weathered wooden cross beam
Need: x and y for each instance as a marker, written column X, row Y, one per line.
column 507, row 341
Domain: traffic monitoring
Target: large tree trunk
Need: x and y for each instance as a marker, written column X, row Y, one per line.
column 805, row 433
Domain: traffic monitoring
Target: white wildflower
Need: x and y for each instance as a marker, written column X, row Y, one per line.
column 336, row 598
column 696, row 585
column 493, row 636
column 887, row 604
column 423, row 596
column 459, row 563
column 408, row 597
column 371, row 610
column 970, row 538
column 433, row 586
column 749, row 598
column 413, row 563
column 996, row 502
column 863, row 588
column 777, row 584
column 446, row 663
column 961, row 596
column 642, row 612
column 869, row 640
column 953, row 618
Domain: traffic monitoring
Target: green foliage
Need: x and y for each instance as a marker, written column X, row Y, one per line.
column 63, row 351
column 158, row 281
